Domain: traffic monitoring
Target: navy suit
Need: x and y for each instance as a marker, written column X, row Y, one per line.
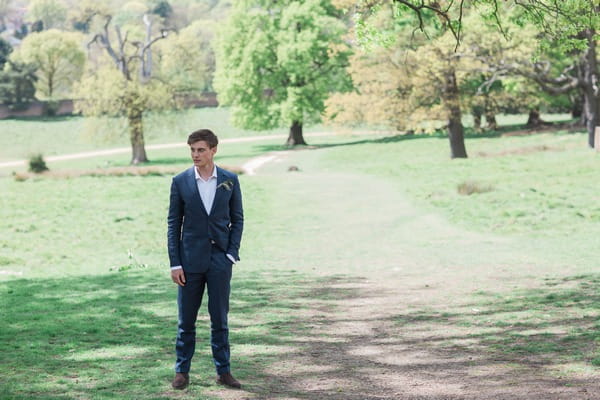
column 199, row 242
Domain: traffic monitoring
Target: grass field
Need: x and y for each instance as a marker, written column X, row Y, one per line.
column 508, row 272
column 20, row 138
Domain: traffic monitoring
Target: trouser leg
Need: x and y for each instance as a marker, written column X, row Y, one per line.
column 218, row 279
column 189, row 299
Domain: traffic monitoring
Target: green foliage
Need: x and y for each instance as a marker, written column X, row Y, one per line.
column 106, row 92
column 5, row 50
column 402, row 83
column 278, row 62
column 17, row 85
column 162, row 8
column 85, row 14
column 37, row 164
column 562, row 22
column 51, row 13
column 380, row 24
column 129, row 16
column 58, row 58
column 186, row 59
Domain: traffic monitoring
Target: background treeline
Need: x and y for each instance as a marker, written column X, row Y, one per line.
column 289, row 63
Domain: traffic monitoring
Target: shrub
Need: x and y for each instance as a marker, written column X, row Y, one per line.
column 467, row 188
column 37, row 164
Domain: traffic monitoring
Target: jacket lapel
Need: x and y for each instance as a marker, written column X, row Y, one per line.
column 219, row 192
column 193, row 186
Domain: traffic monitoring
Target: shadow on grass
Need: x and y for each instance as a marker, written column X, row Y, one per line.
column 293, row 336
column 112, row 336
column 469, row 134
column 556, row 324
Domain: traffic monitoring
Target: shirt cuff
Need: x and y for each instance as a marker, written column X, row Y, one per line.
column 173, row 268
column 231, row 258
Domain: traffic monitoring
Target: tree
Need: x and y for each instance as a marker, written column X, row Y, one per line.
column 571, row 25
column 5, row 50
column 83, row 14
column 58, row 58
column 277, row 62
column 187, row 59
column 4, row 9
column 51, row 13
column 17, row 85
column 383, row 91
column 491, row 86
column 162, row 8
column 125, row 82
column 431, row 86
column 128, row 81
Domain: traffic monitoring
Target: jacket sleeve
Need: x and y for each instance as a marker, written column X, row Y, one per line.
column 174, row 222
column 236, row 215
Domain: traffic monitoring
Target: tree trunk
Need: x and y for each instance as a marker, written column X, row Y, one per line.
column 450, row 97
column 590, row 92
column 534, row 119
column 295, row 137
column 136, row 135
column 477, row 121
column 490, row 121
column 577, row 106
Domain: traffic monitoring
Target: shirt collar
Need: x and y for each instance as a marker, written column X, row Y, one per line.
column 214, row 174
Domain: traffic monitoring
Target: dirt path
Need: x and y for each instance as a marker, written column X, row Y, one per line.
column 389, row 329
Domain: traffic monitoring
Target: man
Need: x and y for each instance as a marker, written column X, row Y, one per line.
column 205, row 225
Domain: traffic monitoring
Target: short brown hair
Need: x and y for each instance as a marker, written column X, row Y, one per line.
column 204, row 134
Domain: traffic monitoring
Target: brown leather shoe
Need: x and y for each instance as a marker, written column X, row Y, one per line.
column 181, row 381
column 228, row 380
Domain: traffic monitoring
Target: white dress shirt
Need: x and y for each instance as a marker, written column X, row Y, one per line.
column 207, row 189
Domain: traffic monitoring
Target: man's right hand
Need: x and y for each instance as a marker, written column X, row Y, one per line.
column 178, row 276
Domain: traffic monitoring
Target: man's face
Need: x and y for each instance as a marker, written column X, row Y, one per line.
column 202, row 154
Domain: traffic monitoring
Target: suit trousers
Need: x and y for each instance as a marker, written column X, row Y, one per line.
column 217, row 281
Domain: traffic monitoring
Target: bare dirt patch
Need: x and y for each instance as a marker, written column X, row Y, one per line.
column 359, row 347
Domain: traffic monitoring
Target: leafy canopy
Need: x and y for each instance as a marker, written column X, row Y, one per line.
column 277, row 62
column 58, row 57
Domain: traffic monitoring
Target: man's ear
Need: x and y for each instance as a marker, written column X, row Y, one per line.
column 214, row 150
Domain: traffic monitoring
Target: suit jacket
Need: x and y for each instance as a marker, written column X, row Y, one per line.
column 191, row 230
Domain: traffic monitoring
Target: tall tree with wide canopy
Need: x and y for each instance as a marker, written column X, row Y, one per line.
column 277, row 62
column 436, row 77
column 125, row 88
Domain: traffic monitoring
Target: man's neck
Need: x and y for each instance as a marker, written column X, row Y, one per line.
column 206, row 172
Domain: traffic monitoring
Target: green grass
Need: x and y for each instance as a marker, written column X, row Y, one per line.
column 19, row 138
column 508, row 273
column 112, row 336
column 546, row 191
column 556, row 323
